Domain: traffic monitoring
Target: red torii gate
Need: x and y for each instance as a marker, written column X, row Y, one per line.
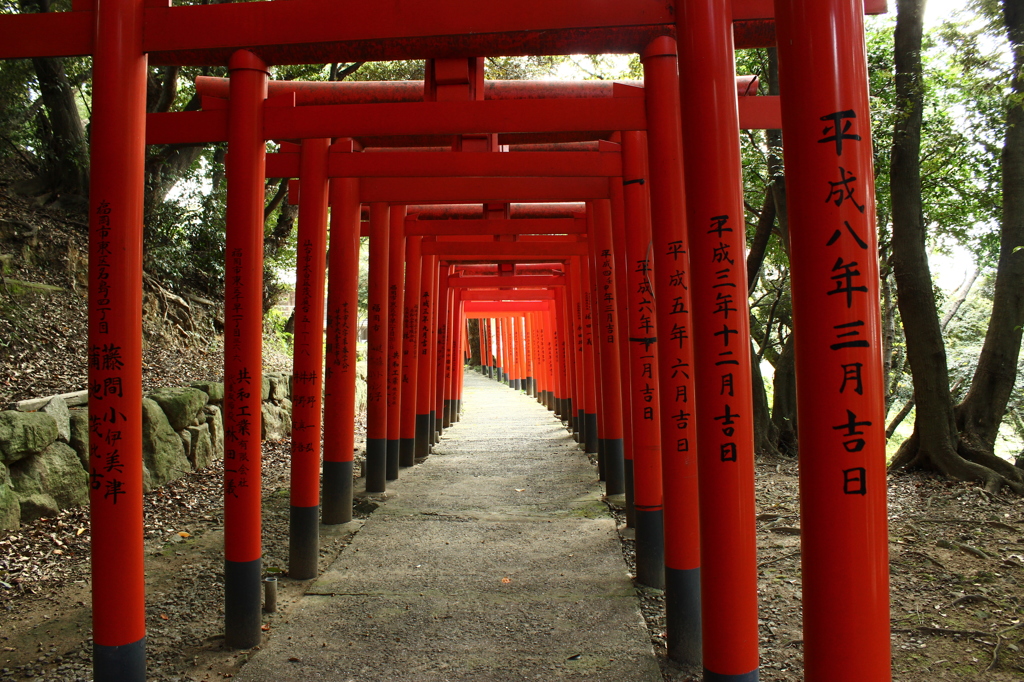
column 845, row 639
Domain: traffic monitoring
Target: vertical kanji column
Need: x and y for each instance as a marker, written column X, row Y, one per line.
column 376, row 351
column 243, row 361
column 642, row 335
column 671, row 256
column 410, row 348
column 396, row 304
column 833, row 254
column 606, row 334
column 721, row 334
column 424, row 373
column 340, row 372
column 307, row 377
column 117, row 152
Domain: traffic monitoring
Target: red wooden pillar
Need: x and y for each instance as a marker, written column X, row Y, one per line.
column 606, row 333
column 519, row 327
column 452, row 362
column 826, row 123
column 670, row 250
column 396, row 305
column 725, row 425
column 532, row 362
column 340, row 372
column 307, row 361
column 560, row 315
column 618, row 213
column 243, row 361
column 582, row 354
column 424, row 373
column 485, row 360
column 547, row 340
column 589, row 367
column 376, row 352
column 410, row 346
column 463, row 359
column 117, row 152
column 642, row 333
column 443, row 317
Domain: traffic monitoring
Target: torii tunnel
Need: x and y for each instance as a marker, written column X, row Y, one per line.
column 591, row 233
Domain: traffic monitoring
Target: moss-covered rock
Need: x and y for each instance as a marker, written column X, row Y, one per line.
column 201, row 454
column 79, row 441
column 23, row 434
column 55, row 473
column 214, row 389
column 162, row 449
column 10, row 506
column 179, row 404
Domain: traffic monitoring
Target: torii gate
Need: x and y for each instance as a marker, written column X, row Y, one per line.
column 842, row 474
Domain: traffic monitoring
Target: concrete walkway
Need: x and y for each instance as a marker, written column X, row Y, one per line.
column 493, row 560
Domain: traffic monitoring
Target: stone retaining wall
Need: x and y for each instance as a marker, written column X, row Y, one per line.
column 44, row 443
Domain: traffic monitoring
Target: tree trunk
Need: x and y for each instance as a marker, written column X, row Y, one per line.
column 65, row 167
column 784, row 403
column 473, row 339
column 935, row 442
column 982, row 410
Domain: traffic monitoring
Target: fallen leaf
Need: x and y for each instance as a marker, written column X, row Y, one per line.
column 520, row 490
column 265, row 627
column 184, row 534
column 506, row 580
column 164, row 616
column 294, row 659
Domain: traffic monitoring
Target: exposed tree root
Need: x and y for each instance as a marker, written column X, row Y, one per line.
column 966, row 463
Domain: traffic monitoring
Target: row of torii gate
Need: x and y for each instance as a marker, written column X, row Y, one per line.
column 601, row 225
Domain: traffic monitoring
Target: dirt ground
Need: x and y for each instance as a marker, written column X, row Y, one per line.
column 957, row 559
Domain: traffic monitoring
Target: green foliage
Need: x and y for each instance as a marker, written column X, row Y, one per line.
column 184, row 244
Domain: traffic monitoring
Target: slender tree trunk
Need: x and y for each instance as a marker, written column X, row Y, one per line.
column 784, row 403
column 982, row 410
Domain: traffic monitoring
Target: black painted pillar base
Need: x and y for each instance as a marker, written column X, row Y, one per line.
column 630, row 509
column 457, row 416
column 406, row 452
column 243, row 603
column 531, row 388
column 581, row 427
column 615, row 477
column 446, row 414
column 650, row 547
column 549, row 401
column 602, row 465
column 337, row 502
column 125, row 663
column 376, row 464
column 752, row 676
column 422, row 435
column 391, row 470
column 434, row 435
column 590, row 431
column 303, row 542
column 682, row 615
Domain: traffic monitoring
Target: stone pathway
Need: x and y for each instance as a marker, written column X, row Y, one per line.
column 493, row 560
